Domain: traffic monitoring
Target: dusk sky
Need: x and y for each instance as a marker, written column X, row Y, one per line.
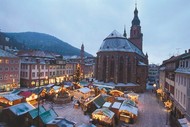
column 165, row 24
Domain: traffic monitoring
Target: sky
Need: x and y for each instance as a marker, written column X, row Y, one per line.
column 165, row 24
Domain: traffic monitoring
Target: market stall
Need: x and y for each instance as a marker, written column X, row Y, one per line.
column 133, row 96
column 116, row 93
column 128, row 112
column 103, row 116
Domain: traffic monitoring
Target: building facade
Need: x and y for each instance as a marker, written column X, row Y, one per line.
column 153, row 74
column 182, row 87
column 9, row 71
column 121, row 59
column 175, row 84
column 40, row 68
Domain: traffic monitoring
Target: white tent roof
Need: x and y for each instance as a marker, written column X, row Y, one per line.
column 84, row 90
column 107, row 104
column 128, row 107
column 116, row 105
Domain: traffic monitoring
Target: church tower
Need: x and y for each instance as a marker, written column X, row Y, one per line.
column 135, row 32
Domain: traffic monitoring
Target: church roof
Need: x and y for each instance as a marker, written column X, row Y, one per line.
column 116, row 42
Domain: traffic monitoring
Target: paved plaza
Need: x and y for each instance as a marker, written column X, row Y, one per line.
column 151, row 112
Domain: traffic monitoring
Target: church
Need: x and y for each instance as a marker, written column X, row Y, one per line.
column 121, row 60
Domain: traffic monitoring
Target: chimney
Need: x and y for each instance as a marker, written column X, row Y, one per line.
column 185, row 51
column 189, row 50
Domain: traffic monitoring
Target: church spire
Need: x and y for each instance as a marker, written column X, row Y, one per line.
column 135, row 20
column 124, row 33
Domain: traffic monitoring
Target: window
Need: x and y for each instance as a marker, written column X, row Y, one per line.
column 1, row 77
column 12, row 68
column 16, row 61
column 33, row 74
column 6, row 68
column 42, row 66
column 16, row 68
column 46, row 73
column 6, row 61
column 184, row 100
column 33, row 66
column 1, row 68
column 42, row 74
column 6, row 76
column 12, row 61
column 181, row 98
column 1, row 60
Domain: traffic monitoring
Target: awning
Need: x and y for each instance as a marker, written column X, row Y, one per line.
column 84, row 90
column 184, row 122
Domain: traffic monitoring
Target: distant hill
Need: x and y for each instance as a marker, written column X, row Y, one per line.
column 40, row 41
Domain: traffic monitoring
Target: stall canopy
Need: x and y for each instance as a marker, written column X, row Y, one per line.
column 133, row 96
column 126, row 106
column 116, row 105
column 48, row 116
column 106, row 105
column 98, row 101
column 12, row 97
column 184, row 122
column 116, row 93
column 84, row 90
column 21, row 108
column 104, row 111
column 34, row 113
column 60, row 122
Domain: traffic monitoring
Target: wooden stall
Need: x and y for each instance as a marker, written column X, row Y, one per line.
column 128, row 112
column 104, row 117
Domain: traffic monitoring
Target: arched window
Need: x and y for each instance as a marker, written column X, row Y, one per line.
column 104, row 68
column 112, row 66
column 121, row 64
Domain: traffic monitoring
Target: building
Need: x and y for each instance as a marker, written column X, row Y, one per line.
column 175, row 84
column 9, row 71
column 182, row 88
column 121, row 59
column 40, row 68
column 153, row 73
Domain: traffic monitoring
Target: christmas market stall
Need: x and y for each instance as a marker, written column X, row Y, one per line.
column 29, row 97
column 16, row 115
column 103, row 116
column 116, row 93
column 93, row 104
column 128, row 111
column 45, row 117
column 10, row 99
column 86, row 92
column 133, row 96
column 115, row 108
column 31, row 115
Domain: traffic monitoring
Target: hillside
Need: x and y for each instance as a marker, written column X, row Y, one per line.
column 41, row 41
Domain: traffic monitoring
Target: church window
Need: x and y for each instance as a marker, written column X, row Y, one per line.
column 121, row 64
column 112, row 66
column 104, row 68
column 107, row 47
